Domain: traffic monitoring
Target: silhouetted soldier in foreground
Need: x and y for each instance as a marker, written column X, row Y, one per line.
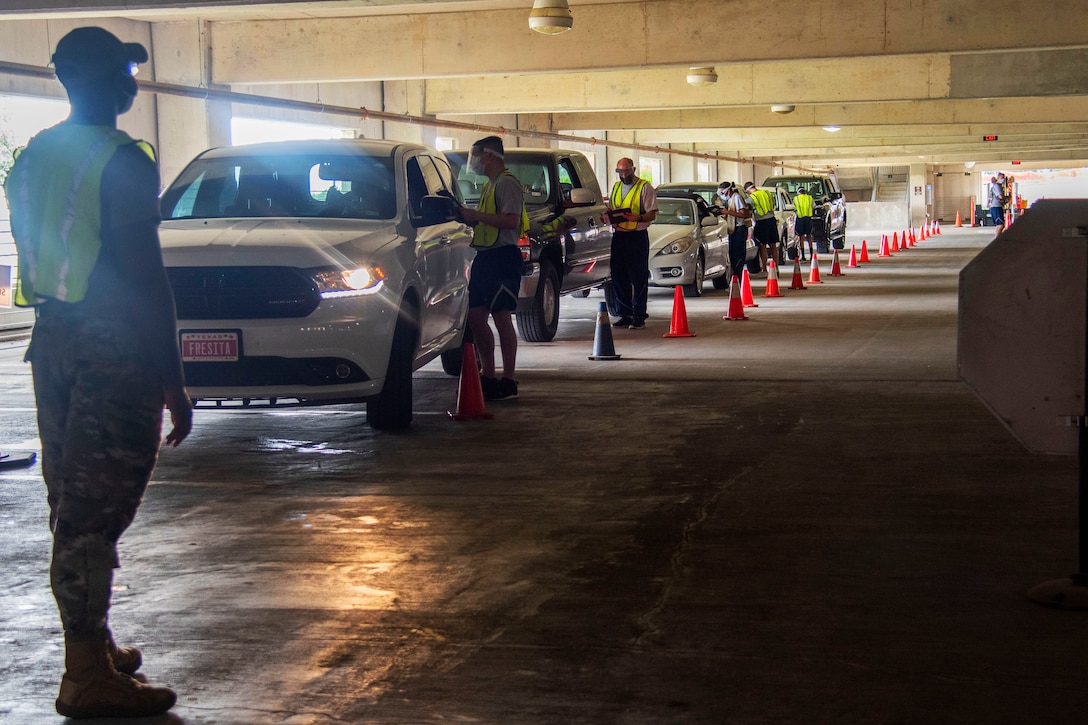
column 85, row 215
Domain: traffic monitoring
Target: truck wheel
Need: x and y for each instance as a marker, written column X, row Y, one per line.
column 392, row 408
column 695, row 289
column 541, row 320
column 451, row 361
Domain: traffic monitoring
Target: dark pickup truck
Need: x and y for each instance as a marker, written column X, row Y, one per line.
column 567, row 249
column 829, row 223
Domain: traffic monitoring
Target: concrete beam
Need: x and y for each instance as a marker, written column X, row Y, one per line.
column 982, row 111
column 658, row 33
column 838, row 80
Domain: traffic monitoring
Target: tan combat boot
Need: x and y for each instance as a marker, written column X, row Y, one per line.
column 92, row 687
column 126, row 660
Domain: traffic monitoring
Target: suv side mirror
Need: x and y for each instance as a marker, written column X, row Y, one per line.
column 436, row 209
column 581, row 197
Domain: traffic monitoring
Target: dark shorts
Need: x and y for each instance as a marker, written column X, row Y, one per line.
column 495, row 278
column 803, row 226
column 997, row 214
column 766, row 232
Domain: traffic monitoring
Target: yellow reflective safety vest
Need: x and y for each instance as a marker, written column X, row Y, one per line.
column 54, row 193
column 631, row 200
column 485, row 235
column 762, row 201
column 802, row 204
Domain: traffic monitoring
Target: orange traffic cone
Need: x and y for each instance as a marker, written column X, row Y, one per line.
column 922, row 232
column 885, row 250
column 603, row 348
column 736, row 304
column 679, row 326
column 937, row 226
column 836, row 270
column 798, row 281
column 853, row 261
column 959, row 220
column 470, row 394
column 814, row 271
column 913, row 239
column 895, row 241
column 746, row 290
column 772, row 280
column 864, row 256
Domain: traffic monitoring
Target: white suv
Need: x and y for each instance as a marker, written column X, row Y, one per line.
column 316, row 272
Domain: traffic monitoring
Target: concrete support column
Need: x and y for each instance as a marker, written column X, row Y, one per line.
column 186, row 126
column 916, row 197
column 681, row 168
column 406, row 97
column 533, row 122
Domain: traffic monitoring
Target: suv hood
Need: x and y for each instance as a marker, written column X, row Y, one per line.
column 280, row 242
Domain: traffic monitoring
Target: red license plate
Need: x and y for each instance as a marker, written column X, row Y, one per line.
column 211, row 346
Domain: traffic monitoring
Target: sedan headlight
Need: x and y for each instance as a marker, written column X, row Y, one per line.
column 365, row 280
column 678, row 247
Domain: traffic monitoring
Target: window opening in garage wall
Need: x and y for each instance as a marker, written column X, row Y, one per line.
column 258, row 130
column 445, row 143
column 651, row 170
column 704, row 171
column 20, row 118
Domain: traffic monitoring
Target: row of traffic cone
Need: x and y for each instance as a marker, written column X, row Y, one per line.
column 470, row 400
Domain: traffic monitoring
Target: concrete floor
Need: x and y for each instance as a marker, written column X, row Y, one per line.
column 800, row 518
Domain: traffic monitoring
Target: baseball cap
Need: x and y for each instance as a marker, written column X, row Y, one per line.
column 90, row 52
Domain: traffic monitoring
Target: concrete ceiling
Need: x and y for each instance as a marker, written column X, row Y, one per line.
column 905, row 80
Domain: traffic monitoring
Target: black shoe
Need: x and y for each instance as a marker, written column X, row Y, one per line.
column 490, row 387
column 637, row 325
column 623, row 322
column 507, row 390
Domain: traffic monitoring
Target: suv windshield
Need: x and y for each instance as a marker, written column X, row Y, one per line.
column 815, row 187
column 532, row 172
column 354, row 187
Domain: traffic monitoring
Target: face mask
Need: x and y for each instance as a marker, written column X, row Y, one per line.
column 476, row 165
column 723, row 194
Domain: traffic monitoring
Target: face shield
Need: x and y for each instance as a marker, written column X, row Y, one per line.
column 476, row 160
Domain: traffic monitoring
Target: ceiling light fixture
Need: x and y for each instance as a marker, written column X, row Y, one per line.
column 702, row 76
column 832, row 129
column 782, row 109
column 551, row 17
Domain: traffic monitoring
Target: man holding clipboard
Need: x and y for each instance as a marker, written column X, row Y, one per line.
column 632, row 206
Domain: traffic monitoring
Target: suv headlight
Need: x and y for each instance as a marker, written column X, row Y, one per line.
column 678, row 247
column 365, row 280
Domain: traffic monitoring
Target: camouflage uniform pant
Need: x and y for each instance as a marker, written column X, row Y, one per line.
column 100, row 418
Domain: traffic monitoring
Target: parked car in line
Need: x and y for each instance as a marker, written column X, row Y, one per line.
column 829, row 222
column 567, row 249
column 707, row 190
column 316, row 272
column 688, row 244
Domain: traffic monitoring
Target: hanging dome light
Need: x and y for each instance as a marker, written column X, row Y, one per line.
column 551, row 17
column 702, row 76
column 782, row 108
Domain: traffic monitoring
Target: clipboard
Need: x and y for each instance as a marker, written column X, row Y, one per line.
column 615, row 216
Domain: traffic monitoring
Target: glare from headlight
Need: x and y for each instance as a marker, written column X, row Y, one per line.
column 349, row 282
column 678, row 247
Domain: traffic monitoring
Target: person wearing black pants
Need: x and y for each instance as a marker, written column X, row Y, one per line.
column 735, row 207
column 630, row 276
column 632, row 207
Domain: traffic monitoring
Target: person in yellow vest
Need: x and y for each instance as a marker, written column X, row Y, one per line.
column 104, row 353
column 766, row 226
column 804, row 207
column 495, row 279
column 632, row 207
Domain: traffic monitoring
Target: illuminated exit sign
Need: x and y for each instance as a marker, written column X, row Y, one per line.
column 989, row 138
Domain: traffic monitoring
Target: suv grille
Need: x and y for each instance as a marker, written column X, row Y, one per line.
column 242, row 293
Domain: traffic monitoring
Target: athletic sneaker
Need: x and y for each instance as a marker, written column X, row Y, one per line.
column 507, row 390
column 490, row 387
